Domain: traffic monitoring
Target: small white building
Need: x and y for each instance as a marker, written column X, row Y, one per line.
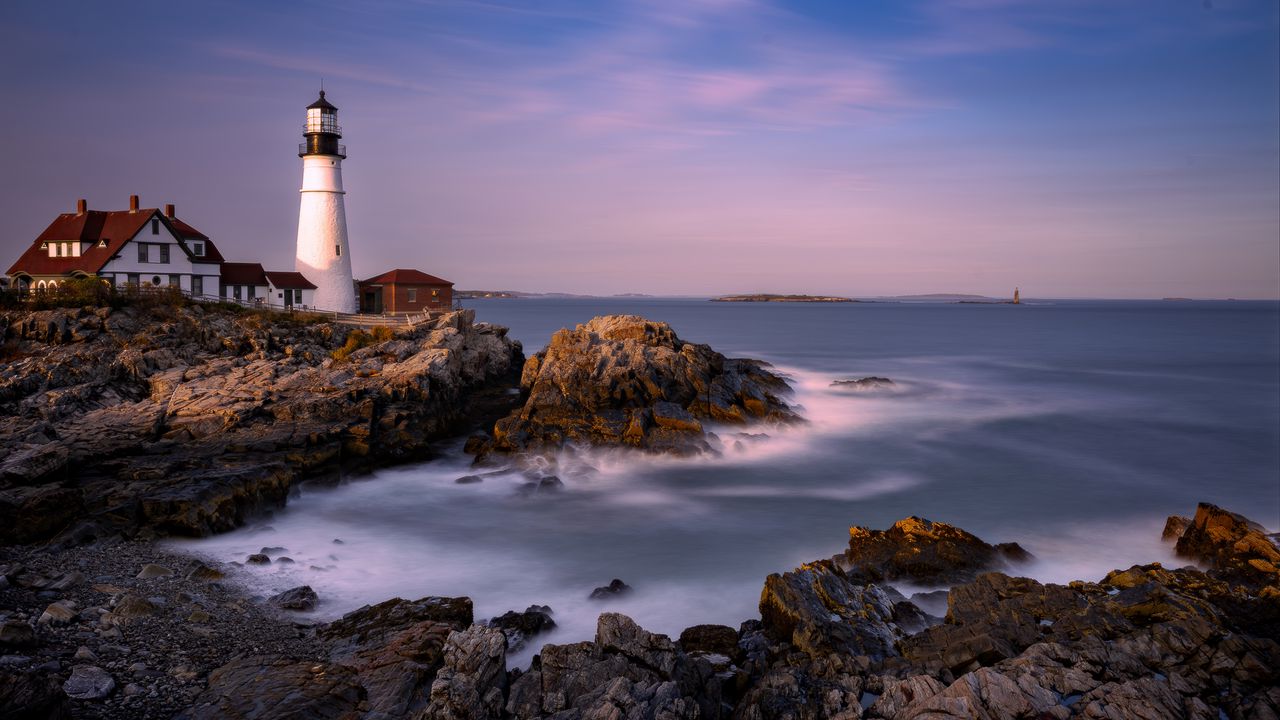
column 139, row 246
column 246, row 282
column 290, row 289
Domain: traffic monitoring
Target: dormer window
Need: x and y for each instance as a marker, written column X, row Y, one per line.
column 197, row 249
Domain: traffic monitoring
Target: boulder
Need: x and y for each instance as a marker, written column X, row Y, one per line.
column 866, row 383
column 615, row 588
column 15, row 634
column 519, row 627
column 151, row 570
column 925, row 552
column 622, row 380
column 89, row 682
column 714, row 639
column 301, row 598
column 819, row 610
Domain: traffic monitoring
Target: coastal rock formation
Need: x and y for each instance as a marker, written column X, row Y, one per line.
column 622, row 380
column 925, row 552
column 1232, row 546
column 187, row 419
column 1144, row 642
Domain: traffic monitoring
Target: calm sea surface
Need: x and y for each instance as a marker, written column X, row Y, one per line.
column 1072, row 427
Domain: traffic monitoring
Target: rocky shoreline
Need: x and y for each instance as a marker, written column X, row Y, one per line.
column 127, row 630
column 186, row 420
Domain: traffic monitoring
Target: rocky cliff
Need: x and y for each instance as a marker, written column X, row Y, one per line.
column 622, row 380
column 186, row 419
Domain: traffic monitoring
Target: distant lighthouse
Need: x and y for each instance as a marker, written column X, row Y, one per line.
column 324, row 256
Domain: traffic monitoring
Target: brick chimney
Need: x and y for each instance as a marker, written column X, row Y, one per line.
column 133, row 203
column 82, row 206
column 169, row 211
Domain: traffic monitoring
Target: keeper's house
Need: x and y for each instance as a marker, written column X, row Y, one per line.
column 142, row 246
column 405, row 291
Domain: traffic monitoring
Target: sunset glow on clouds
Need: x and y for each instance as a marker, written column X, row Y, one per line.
column 1074, row 148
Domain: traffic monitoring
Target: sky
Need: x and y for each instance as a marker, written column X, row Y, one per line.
column 1073, row 148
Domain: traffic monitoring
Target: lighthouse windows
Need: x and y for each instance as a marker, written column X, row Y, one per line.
column 337, row 250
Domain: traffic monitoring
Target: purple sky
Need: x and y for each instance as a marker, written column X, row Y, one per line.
column 1070, row 147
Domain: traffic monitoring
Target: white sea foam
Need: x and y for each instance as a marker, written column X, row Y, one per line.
column 695, row 536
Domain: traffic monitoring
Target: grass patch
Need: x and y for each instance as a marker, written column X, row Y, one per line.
column 358, row 339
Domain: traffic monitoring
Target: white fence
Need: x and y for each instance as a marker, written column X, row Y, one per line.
column 363, row 319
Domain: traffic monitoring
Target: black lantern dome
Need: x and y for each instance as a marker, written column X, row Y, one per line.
column 322, row 131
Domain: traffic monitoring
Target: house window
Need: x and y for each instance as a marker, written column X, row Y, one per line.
column 413, row 295
column 134, row 279
column 155, row 226
column 235, row 291
column 197, row 249
column 142, row 252
column 175, row 280
column 155, row 281
column 66, row 249
column 297, row 297
column 197, row 285
column 164, row 254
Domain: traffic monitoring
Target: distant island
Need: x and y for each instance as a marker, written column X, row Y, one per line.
column 766, row 297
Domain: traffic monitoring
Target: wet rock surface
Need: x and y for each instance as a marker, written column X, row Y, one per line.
column 622, row 380
column 187, row 420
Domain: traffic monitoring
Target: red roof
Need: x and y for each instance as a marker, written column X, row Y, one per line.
column 289, row 280
column 234, row 273
column 115, row 227
column 406, row 277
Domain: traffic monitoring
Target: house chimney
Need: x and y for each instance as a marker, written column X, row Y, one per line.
column 169, row 211
column 133, row 203
column 82, row 206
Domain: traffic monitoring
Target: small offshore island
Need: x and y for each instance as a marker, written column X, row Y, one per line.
column 766, row 297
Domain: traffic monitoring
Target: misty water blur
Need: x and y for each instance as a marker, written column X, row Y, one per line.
column 1073, row 428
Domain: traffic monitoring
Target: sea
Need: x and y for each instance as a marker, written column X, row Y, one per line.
column 1073, row 427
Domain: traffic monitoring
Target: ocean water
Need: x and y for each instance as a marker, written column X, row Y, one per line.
column 1071, row 427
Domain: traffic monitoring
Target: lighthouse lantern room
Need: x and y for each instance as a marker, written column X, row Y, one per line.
column 323, row 252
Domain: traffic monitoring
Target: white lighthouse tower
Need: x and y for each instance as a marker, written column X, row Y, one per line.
column 324, row 257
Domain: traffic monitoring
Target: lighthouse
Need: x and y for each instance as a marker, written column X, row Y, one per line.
column 324, row 257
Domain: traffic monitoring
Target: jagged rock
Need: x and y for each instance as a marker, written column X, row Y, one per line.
column 623, row 380
column 1232, row 545
column 925, row 552
column 472, row 683
column 614, row 589
column 189, row 420
column 32, row 696
column 819, row 610
column 269, row 687
column 395, row 649
column 89, row 682
column 301, row 598
column 258, row 559
column 519, row 627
